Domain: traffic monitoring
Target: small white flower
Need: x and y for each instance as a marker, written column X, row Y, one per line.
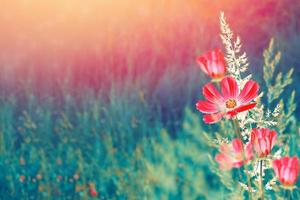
column 277, row 154
column 245, row 187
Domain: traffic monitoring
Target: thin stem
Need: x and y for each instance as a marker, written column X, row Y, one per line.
column 287, row 194
column 261, row 180
column 238, row 132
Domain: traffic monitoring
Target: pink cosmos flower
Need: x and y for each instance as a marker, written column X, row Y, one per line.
column 232, row 154
column 287, row 170
column 263, row 140
column 92, row 190
column 22, row 178
column 213, row 63
column 229, row 103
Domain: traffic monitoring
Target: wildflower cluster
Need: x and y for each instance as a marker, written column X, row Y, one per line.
column 237, row 99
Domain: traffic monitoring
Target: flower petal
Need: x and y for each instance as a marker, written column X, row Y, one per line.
column 224, row 161
column 202, row 61
column 229, row 88
column 254, row 136
column 237, row 145
column 206, row 107
column 249, row 151
column 277, row 166
column 211, row 93
column 287, row 170
column 239, row 109
column 249, row 92
column 212, row 118
column 273, row 136
column 213, row 63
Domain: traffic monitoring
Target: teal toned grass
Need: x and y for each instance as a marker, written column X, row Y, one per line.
column 138, row 139
column 128, row 147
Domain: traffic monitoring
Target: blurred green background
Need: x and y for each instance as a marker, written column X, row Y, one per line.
column 100, row 96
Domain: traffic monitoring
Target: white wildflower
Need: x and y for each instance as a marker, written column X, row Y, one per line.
column 237, row 61
column 268, row 114
column 221, row 141
column 271, row 183
column 245, row 187
column 276, row 111
column 277, row 154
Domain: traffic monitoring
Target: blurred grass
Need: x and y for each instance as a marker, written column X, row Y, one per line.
column 123, row 119
column 129, row 145
column 112, row 146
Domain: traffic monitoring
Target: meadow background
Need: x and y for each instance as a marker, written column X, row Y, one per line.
column 100, row 95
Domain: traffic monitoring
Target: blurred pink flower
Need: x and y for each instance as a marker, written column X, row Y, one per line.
column 22, row 161
column 213, row 63
column 230, row 102
column 287, row 170
column 231, row 155
column 58, row 161
column 21, row 178
column 58, row 178
column 92, row 190
column 263, row 140
column 39, row 177
column 76, row 176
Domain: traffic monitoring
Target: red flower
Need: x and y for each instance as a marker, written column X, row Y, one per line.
column 263, row 141
column 22, row 161
column 213, row 63
column 232, row 154
column 93, row 192
column 230, row 103
column 21, row 178
column 287, row 170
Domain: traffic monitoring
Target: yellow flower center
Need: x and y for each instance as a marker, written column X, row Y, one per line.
column 238, row 157
column 231, row 103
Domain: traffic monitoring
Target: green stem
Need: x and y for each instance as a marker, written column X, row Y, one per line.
column 287, row 194
column 238, row 132
column 261, row 180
